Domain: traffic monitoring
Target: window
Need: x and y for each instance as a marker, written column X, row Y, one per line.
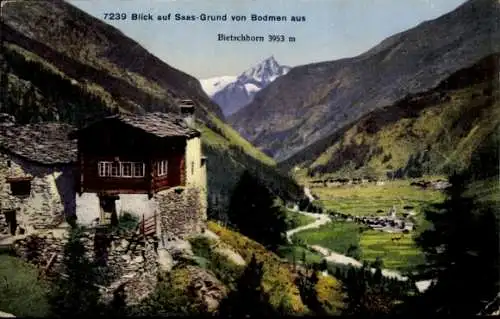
column 121, row 169
column 139, row 169
column 115, row 169
column 126, row 169
column 192, row 168
column 104, row 168
column 162, row 167
column 20, row 186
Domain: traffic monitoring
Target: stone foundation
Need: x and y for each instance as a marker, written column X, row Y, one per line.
column 135, row 269
column 181, row 213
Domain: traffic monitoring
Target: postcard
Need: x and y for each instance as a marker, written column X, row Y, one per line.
column 249, row 158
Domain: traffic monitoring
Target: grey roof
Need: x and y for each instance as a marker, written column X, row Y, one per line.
column 45, row 143
column 156, row 123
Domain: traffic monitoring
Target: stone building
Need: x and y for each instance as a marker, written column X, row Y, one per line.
column 148, row 165
column 36, row 176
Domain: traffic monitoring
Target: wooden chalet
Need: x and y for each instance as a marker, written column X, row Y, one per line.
column 133, row 154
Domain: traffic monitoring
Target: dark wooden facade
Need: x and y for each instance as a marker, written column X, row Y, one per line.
column 115, row 141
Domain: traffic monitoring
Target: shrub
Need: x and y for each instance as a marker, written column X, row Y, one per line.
column 277, row 278
column 21, row 292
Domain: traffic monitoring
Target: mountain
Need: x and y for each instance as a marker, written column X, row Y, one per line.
column 315, row 101
column 60, row 64
column 431, row 133
column 215, row 84
column 233, row 94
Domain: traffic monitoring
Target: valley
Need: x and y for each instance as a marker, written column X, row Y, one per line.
column 345, row 226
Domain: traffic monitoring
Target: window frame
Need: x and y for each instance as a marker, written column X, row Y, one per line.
column 101, row 169
column 143, row 169
column 122, row 165
column 118, row 169
column 105, row 169
column 162, row 168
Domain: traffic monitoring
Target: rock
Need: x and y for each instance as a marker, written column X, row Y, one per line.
column 6, row 315
column 209, row 290
column 210, row 235
column 126, row 258
column 179, row 248
column 124, row 243
column 138, row 260
column 165, row 260
column 231, row 255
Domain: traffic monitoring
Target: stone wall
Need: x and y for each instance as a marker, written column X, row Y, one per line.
column 136, row 269
column 52, row 193
column 180, row 212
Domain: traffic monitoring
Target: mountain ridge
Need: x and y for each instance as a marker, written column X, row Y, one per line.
column 235, row 93
column 315, row 100
column 419, row 134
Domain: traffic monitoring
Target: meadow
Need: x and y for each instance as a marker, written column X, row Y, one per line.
column 372, row 199
column 359, row 241
column 294, row 220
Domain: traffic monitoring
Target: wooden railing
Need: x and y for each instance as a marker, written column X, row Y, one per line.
column 148, row 225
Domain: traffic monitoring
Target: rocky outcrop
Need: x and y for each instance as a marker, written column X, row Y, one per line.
column 206, row 288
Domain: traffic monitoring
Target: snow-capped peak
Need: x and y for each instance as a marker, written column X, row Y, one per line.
column 214, row 85
column 264, row 73
column 233, row 93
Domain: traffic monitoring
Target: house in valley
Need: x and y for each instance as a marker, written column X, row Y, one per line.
column 145, row 164
column 36, row 175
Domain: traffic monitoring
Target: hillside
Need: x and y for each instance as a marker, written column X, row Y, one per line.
column 314, row 101
column 434, row 132
column 60, row 64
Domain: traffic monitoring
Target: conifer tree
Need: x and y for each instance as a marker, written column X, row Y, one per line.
column 249, row 299
column 462, row 246
column 253, row 211
column 75, row 293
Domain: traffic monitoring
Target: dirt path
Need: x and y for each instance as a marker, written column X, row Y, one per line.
column 321, row 219
column 334, row 257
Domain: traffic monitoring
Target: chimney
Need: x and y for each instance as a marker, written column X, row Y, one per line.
column 187, row 111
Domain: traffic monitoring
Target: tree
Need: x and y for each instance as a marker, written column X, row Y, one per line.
column 308, row 293
column 256, row 214
column 462, row 245
column 248, row 299
column 75, row 293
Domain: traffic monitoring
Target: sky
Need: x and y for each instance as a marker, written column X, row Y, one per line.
column 332, row 29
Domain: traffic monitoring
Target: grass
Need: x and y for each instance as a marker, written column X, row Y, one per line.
column 400, row 255
column 439, row 124
column 368, row 199
column 294, row 219
column 291, row 252
column 21, row 292
column 208, row 258
column 278, row 280
column 365, row 245
column 236, row 139
column 341, row 237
